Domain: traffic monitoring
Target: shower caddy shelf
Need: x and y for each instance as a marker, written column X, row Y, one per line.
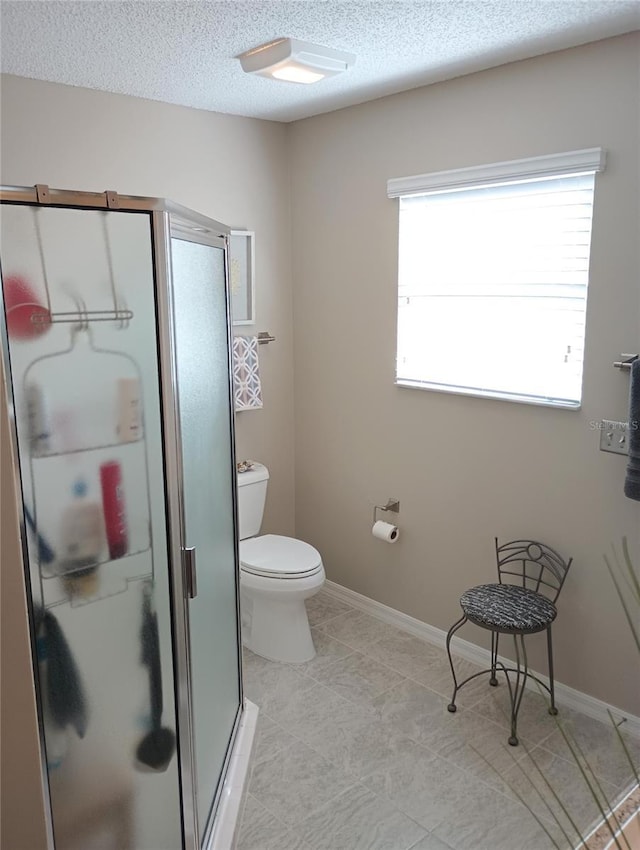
column 46, row 574
column 96, row 448
column 81, row 319
column 77, row 601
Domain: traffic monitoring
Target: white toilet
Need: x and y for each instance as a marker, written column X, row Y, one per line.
column 276, row 575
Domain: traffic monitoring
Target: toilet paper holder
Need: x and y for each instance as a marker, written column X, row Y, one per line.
column 392, row 505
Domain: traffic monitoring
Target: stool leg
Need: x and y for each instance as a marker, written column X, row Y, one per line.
column 494, row 658
column 517, row 692
column 454, row 628
column 552, row 707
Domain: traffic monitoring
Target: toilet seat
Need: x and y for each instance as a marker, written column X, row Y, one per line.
column 277, row 557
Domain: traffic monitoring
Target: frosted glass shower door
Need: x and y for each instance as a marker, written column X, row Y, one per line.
column 85, row 391
column 202, row 357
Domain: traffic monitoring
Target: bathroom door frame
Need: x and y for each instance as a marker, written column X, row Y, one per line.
column 178, row 222
column 165, row 218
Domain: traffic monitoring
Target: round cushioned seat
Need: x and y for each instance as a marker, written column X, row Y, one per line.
column 508, row 608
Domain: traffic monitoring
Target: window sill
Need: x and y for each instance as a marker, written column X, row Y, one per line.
column 561, row 404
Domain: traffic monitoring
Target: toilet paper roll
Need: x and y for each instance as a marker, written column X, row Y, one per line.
column 385, row 531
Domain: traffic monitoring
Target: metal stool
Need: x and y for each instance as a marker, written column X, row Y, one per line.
column 517, row 609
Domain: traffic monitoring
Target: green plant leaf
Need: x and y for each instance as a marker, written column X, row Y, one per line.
column 627, row 613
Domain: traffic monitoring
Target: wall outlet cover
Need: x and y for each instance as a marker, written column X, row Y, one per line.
column 614, row 437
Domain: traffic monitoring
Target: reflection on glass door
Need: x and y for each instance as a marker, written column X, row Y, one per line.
column 200, row 314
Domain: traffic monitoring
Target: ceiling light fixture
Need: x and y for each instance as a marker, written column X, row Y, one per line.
column 295, row 61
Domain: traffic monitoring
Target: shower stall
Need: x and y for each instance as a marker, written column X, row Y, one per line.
column 116, row 353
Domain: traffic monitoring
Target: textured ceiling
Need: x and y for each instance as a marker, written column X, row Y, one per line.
column 183, row 52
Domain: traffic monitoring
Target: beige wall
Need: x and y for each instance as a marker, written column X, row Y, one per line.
column 235, row 170
column 21, row 818
column 464, row 469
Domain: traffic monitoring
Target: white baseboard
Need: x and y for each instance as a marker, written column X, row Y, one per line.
column 565, row 695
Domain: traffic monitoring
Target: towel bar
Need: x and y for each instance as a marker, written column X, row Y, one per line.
column 264, row 337
column 625, row 364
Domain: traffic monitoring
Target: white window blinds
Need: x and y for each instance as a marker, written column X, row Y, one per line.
column 492, row 285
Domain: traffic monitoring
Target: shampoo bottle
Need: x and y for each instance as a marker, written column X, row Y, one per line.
column 113, row 505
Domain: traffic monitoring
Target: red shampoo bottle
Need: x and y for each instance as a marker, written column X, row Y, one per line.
column 113, row 505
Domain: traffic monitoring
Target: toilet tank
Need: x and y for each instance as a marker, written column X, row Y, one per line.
column 252, row 494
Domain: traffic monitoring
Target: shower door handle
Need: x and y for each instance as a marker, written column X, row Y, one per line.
column 189, row 567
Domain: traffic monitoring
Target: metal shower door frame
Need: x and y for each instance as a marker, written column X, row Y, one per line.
column 166, row 219
column 174, row 221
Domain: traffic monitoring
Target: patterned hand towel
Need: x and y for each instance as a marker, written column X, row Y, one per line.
column 247, row 390
column 632, row 480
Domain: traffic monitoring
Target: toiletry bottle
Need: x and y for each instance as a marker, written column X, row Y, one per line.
column 82, row 533
column 129, row 426
column 113, row 505
column 39, row 426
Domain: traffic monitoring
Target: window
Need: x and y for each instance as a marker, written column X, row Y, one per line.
column 493, row 270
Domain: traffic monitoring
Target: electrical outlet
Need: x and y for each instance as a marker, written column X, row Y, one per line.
column 614, row 437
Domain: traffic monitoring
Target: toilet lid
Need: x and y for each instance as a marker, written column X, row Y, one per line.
column 279, row 557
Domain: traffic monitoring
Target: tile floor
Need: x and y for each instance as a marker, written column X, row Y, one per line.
column 356, row 750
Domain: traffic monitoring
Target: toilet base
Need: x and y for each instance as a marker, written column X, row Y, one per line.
column 275, row 624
